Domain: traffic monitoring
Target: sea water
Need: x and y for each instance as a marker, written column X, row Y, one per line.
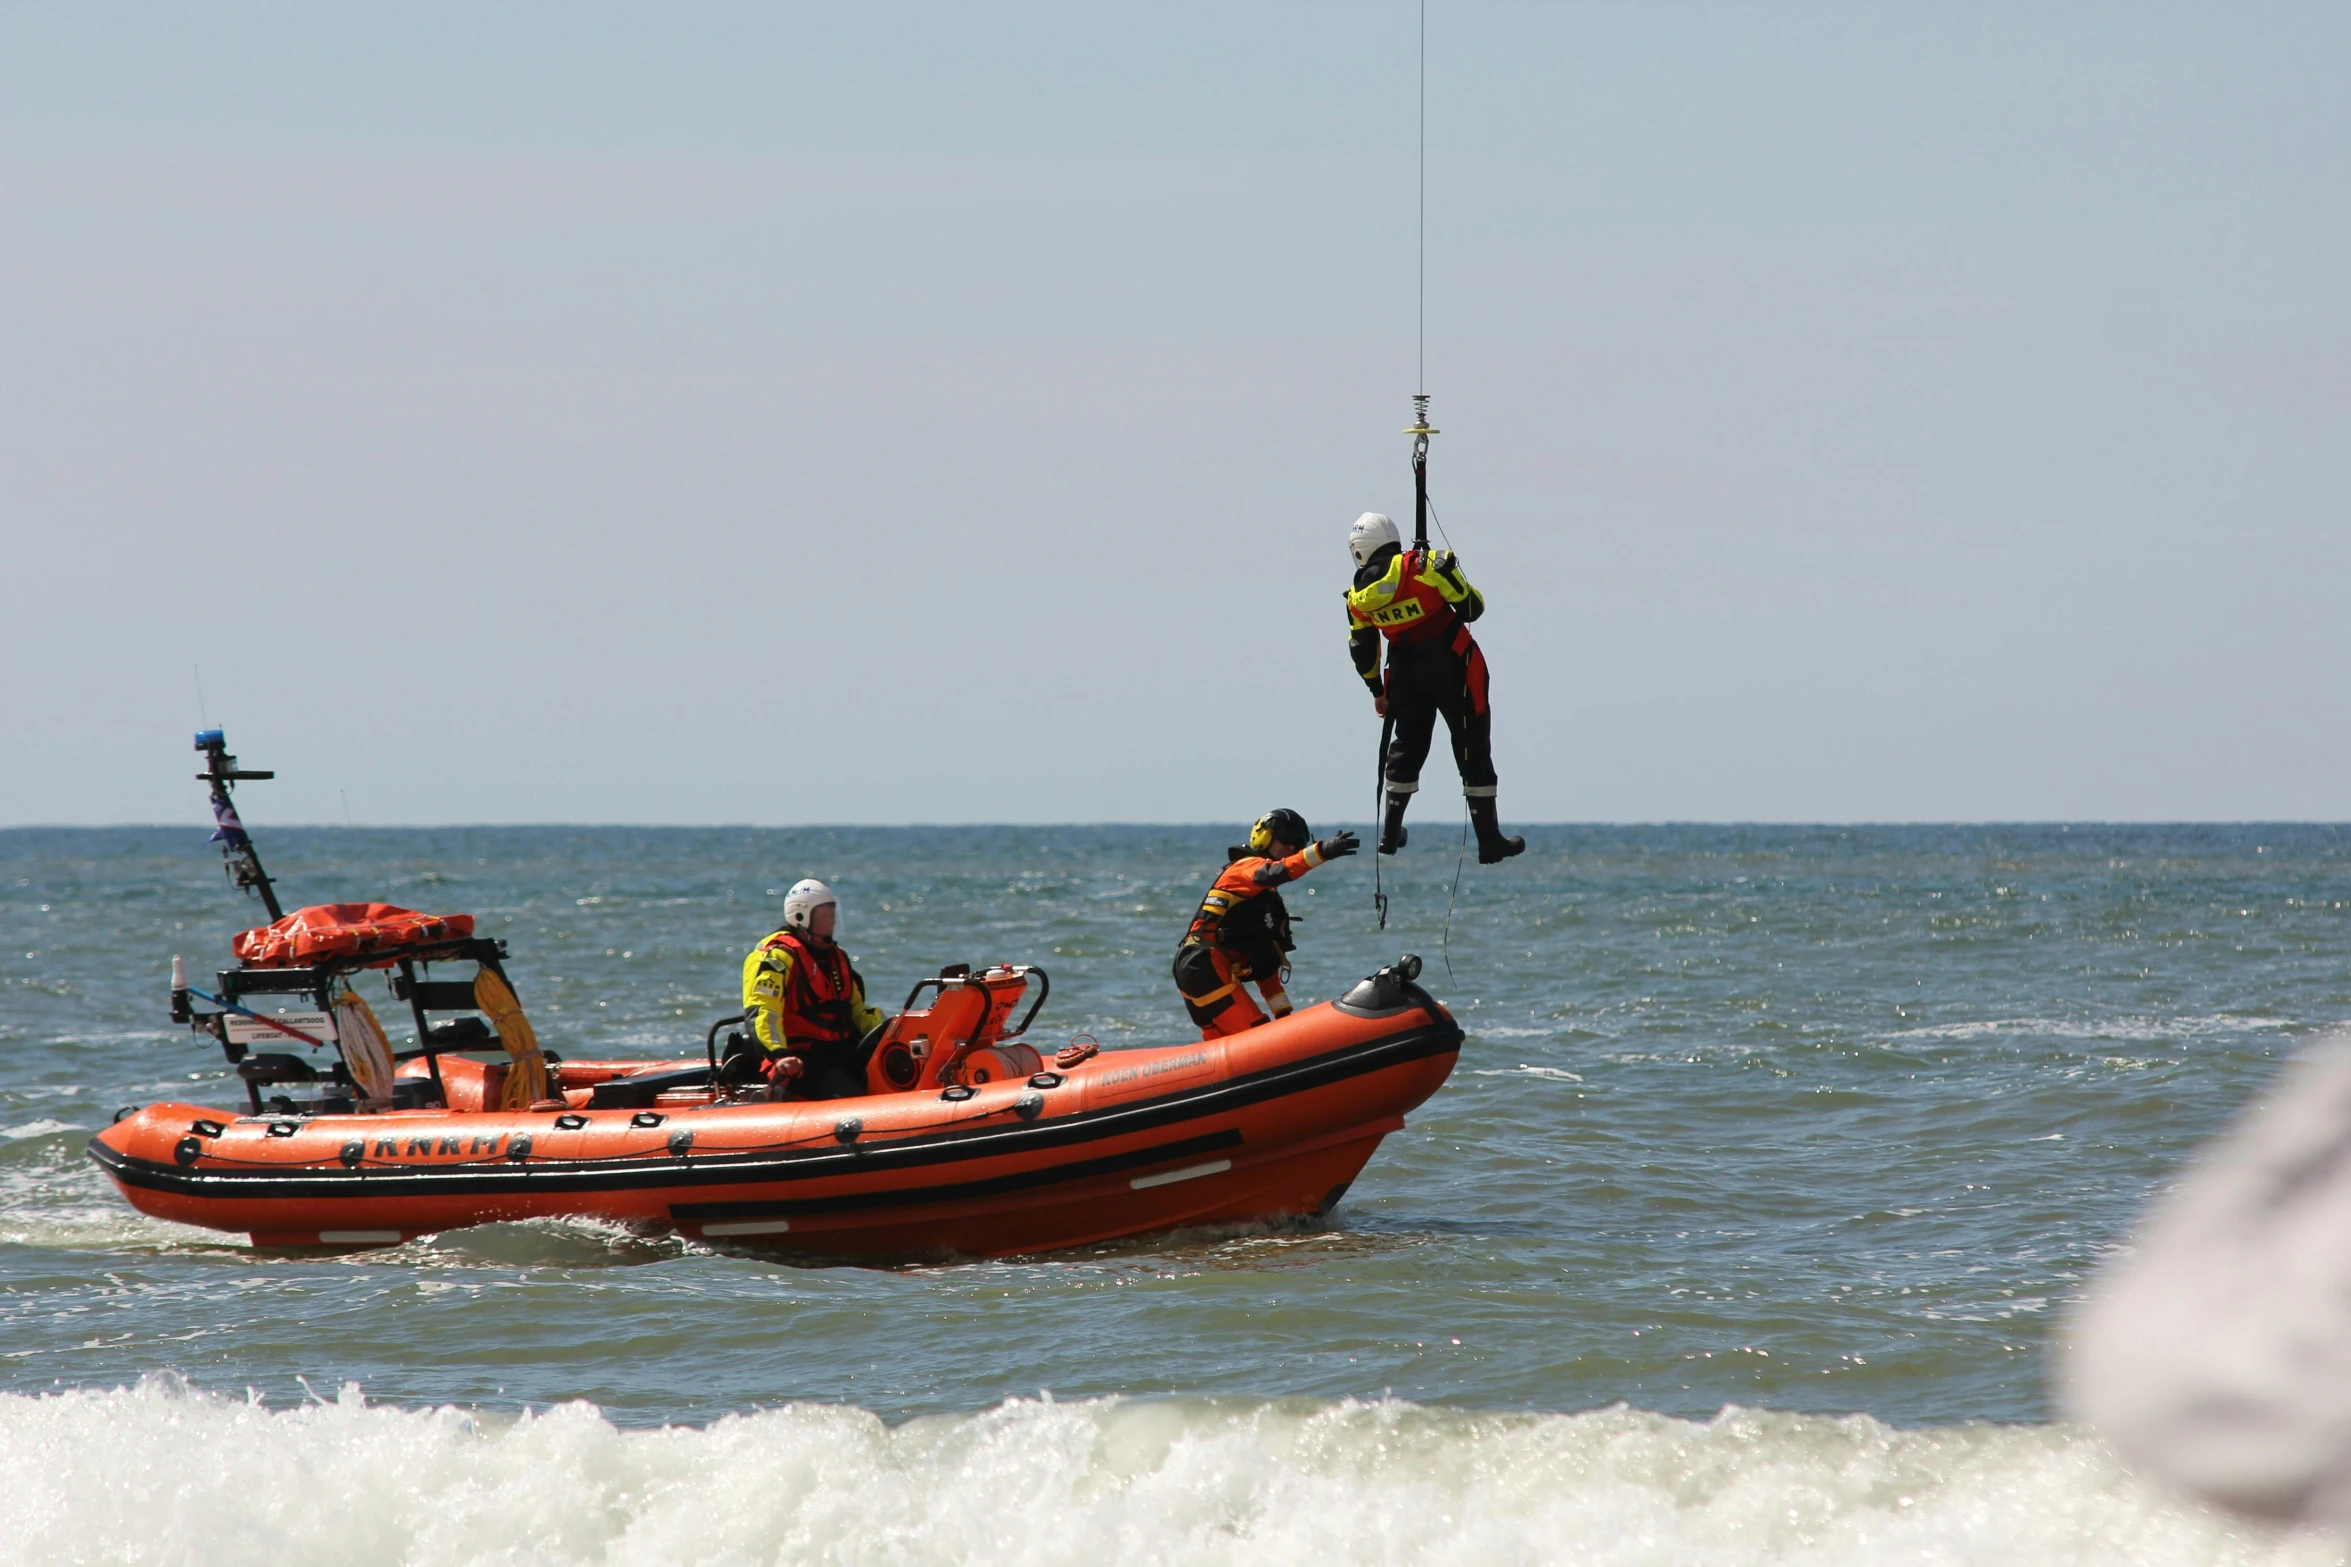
column 1741, row 1232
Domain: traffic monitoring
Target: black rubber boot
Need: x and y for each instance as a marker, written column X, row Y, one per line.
column 1493, row 848
column 1392, row 833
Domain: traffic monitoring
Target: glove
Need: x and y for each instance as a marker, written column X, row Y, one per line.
column 1339, row 847
column 782, row 1075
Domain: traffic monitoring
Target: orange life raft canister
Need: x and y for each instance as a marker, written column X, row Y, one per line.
column 346, row 930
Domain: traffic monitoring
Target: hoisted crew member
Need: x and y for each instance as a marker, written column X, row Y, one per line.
column 1421, row 603
column 805, row 1002
column 1242, row 930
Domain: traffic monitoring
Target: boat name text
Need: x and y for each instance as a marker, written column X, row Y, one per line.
column 1155, row 1069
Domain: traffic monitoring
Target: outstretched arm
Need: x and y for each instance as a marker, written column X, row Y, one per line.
column 1275, row 872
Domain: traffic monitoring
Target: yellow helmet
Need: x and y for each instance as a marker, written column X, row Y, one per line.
column 1283, row 826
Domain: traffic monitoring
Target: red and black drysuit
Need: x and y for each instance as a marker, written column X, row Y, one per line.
column 1419, row 601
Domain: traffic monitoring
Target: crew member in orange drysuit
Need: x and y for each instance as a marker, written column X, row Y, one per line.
column 1242, row 930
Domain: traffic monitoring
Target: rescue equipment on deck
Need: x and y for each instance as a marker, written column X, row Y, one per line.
column 366, row 1049
column 345, row 930
column 526, row 1067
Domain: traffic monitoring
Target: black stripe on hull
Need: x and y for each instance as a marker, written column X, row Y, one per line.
column 489, row 1178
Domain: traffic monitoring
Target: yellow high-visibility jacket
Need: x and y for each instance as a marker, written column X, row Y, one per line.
column 799, row 994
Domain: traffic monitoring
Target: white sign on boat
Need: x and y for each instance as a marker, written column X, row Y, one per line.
column 244, row 1030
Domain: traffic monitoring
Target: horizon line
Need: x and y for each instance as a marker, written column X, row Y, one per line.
column 1616, row 822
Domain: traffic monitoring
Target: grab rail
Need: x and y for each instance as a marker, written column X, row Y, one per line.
column 1044, row 989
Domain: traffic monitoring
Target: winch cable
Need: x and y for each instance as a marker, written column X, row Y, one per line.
column 1420, row 449
column 1423, row 513
column 1379, row 804
column 1459, row 859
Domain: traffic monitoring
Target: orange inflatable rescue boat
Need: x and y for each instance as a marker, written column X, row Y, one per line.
column 967, row 1141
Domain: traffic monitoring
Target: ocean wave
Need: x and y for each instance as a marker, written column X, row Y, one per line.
column 99, row 1225
column 31, row 1129
column 2131, row 1028
column 159, row 1472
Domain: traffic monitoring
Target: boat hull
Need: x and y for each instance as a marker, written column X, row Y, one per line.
column 1267, row 1124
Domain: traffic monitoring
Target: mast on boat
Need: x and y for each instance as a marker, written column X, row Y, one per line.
column 236, row 848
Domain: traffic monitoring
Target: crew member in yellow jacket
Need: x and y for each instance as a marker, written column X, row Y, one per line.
column 1420, row 604
column 805, row 1002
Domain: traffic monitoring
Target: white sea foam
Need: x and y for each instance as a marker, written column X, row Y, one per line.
column 155, row 1473
column 50, row 1197
column 40, row 1128
column 1550, row 1074
column 2132, row 1028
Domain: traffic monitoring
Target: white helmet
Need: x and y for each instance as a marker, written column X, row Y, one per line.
column 1372, row 533
column 805, row 898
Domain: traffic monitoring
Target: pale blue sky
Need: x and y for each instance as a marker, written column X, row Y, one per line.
column 928, row 413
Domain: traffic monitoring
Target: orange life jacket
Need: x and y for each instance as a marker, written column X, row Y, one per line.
column 1245, row 918
column 820, row 998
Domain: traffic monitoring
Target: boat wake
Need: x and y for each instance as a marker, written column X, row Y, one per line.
column 157, row 1471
